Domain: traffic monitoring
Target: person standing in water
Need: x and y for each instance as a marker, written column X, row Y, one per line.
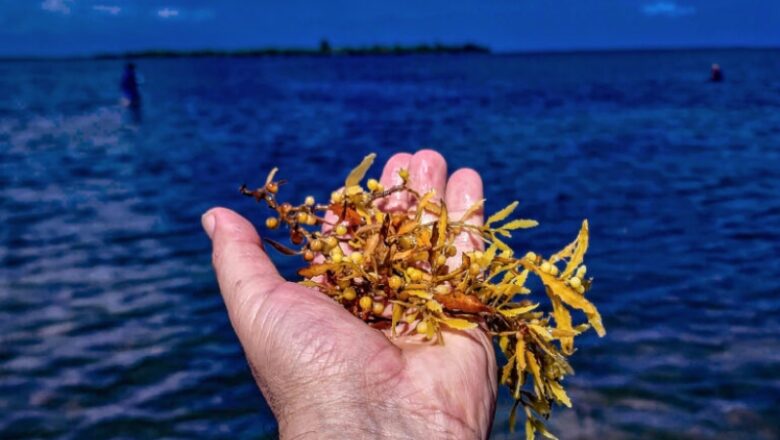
column 716, row 75
column 131, row 97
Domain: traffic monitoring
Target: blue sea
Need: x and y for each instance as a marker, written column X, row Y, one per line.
column 111, row 324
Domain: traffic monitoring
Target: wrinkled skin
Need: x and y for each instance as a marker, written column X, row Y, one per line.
column 325, row 373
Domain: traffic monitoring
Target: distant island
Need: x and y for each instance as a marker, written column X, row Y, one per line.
column 324, row 49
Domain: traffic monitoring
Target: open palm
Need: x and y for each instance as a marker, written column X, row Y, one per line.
column 325, row 373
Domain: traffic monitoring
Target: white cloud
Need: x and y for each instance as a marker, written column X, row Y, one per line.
column 184, row 14
column 58, row 6
column 111, row 10
column 667, row 9
column 167, row 12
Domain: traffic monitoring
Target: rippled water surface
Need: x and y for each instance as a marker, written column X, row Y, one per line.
column 110, row 321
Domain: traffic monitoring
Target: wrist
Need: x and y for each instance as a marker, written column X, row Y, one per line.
column 370, row 420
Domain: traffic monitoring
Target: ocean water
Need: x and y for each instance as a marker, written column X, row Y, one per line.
column 111, row 325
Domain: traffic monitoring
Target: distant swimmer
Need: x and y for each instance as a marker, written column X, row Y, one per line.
column 131, row 97
column 716, row 75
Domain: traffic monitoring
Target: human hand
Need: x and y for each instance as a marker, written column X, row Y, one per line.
column 324, row 372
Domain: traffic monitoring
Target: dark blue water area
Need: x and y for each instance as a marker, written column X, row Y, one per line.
column 111, row 324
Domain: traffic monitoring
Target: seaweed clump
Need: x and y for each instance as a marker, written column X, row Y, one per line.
column 396, row 270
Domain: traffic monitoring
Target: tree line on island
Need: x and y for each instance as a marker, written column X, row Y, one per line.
column 324, row 49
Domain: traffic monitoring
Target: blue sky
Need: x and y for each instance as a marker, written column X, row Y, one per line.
column 71, row 27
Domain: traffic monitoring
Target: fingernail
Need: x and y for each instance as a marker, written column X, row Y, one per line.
column 209, row 222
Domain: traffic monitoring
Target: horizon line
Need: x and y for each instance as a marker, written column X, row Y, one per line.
column 368, row 50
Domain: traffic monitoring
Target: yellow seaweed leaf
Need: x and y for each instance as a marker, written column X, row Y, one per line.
column 510, row 290
column 433, row 306
column 569, row 296
column 559, row 393
column 580, row 328
column 403, row 255
column 563, row 322
column 409, row 318
column 424, row 237
column 398, row 311
column 457, row 323
column 503, row 342
column 501, row 215
column 565, row 252
column 559, row 333
column 316, row 269
column 441, row 229
column 420, row 256
column 433, row 208
column 505, row 249
column 518, row 386
column 473, row 209
column 521, row 278
column 541, row 331
column 488, row 256
column 371, row 245
column 508, row 276
column 352, row 190
column 423, row 203
column 408, row 227
column 506, row 372
column 520, row 355
column 419, row 293
column 530, row 432
column 579, row 251
column 536, row 371
column 357, row 174
column 431, row 329
column 574, row 299
column 364, row 214
column 541, row 429
column 519, row 224
column 510, row 313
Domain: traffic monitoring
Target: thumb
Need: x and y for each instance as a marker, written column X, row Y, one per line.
column 282, row 325
column 244, row 271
